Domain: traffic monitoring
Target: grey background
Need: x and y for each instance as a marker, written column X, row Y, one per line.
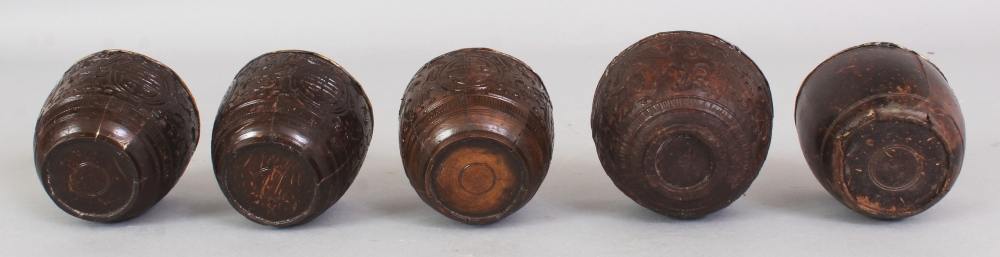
column 577, row 211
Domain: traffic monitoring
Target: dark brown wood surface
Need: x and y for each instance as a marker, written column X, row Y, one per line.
column 881, row 130
column 114, row 136
column 682, row 123
column 476, row 134
column 290, row 137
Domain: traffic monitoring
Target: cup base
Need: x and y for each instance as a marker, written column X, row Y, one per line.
column 270, row 184
column 476, row 180
column 92, row 179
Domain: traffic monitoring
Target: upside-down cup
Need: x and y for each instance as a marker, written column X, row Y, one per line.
column 881, row 130
column 475, row 134
column 290, row 137
column 682, row 123
column 114, row 136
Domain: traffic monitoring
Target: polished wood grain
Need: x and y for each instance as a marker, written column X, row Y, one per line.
column 114, row 136
column 881, row 130
column 475, row 134
column 290, row 137
column 682, row 123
